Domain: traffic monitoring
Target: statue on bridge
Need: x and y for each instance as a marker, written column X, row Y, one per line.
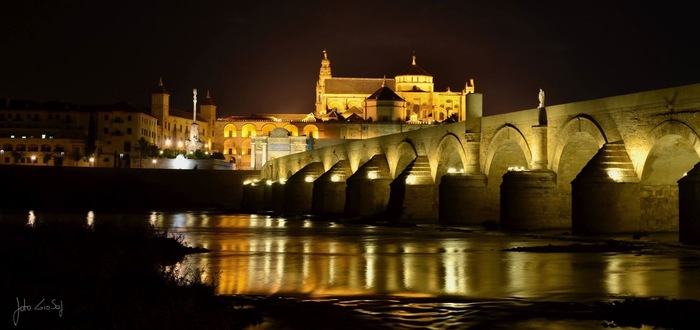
column 541, row 97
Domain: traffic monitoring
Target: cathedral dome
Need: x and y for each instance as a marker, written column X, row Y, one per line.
column 414, row 79
column 415, row 70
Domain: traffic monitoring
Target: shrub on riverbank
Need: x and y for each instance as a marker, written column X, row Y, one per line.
column 117, row 275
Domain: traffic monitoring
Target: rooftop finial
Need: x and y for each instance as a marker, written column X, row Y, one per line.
column 325, row 54
column 160, row 82
column 208, row 94
column 414, row 58
column 384, row 81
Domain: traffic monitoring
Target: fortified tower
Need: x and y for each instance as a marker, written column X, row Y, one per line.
column 160, row 108
column 208, row 111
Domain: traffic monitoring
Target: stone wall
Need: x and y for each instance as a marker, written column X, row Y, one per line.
column 84, row 189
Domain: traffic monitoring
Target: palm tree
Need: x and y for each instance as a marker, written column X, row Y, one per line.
column 142, row 146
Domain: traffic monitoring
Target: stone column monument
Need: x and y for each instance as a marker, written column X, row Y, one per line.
column 193, row 142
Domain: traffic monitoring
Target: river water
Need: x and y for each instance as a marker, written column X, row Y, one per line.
column 423, row 277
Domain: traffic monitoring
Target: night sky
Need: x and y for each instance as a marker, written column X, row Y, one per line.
column 264, row 56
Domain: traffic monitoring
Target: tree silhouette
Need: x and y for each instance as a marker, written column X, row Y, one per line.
column 142, row 147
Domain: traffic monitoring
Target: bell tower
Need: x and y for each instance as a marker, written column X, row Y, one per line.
column 323, row 74
column 160, row 108
column 208, row 111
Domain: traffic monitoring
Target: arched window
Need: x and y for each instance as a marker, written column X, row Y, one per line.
column 230, row 130
column 267, row 128
column 248, row 130
column 293, row 130
column 311, row 130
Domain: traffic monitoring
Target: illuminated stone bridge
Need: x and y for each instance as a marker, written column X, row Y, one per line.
column 609, row 165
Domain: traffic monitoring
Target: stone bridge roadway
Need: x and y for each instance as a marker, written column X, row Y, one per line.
column 607, row 165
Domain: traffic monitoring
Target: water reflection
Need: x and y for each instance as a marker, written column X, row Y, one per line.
column 267, row 255
column 31, row 219
column 417, row 277
column 90, row 219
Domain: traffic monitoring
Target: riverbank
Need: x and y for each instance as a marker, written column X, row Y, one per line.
column 110, row 275
column 118, row 274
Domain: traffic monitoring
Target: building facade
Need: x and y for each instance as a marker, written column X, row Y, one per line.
column 173, row 131
column 58, row 134
column 347, row 96
column 112, row 136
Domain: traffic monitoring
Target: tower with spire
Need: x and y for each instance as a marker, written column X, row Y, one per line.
column 323, row 74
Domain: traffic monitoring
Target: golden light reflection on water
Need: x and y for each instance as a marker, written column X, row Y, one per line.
column 623, row 276
column 267, row 255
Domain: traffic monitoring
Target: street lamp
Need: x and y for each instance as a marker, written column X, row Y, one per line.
column 33, row 158
column 92, row 161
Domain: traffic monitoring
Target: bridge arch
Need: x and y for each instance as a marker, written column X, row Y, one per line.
column 575, row 129
column 357, row 159
column 448, row 155
column 507, row 149
column 673, row 149
column 330, row 159
column 578, row 140
column 504, row 138
column 362, row 152
column 402, row 155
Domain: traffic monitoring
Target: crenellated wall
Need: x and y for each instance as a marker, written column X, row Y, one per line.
column 656, row 130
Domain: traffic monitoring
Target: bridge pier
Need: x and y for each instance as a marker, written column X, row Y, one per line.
column 527, row 201
column 252, row 199
column 330, row 189
column 277, row 196
column 689, row 206
column 605, row 194
column 412, row 203
column 368, row 189
column 298, row 190
column 462, row 198
column 412, row 195
column 273, row 195
column 267, row 195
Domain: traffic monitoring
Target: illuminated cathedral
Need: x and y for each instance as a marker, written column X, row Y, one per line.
column 347, row 97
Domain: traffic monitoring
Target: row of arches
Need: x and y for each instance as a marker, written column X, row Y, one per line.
column 250, row 130
column 667, row 152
